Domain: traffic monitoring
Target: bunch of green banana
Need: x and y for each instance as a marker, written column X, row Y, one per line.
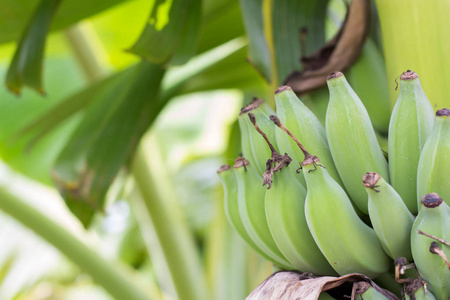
column 285, row 213
column 346, row 208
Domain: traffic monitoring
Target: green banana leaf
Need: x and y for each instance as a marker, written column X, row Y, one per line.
column 16, row 113
column 106, row 139
column 26, row 65
column 222, row 22
column 171, row 33
column 14, row 14
column 276, row 32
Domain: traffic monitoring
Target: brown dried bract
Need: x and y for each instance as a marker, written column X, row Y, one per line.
column 337, row 54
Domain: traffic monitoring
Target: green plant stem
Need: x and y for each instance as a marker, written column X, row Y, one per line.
column 110, row 276
column 87, row 53
column 174, row 237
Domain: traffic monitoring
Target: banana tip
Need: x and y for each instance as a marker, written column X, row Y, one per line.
column 335, row 74
column 370, row 179
column 256, row 102
column 431, row 200
column 223, row 168
column 443, row 112
column 282, row 89
column 409, row 75
column 240, row 162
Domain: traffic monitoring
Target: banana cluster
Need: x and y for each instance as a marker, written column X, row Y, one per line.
column 329, row 201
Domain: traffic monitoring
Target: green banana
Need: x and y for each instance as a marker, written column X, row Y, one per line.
column 411, row 123
column 433, row 219
column 415, row 290
column 352, row 139
column 252, row 213
column 365, row 291
column 433, row 172
column 285, row 213
column 348, row 244
column 305, row 126
column 253, row 147
column 390, row 217
column 229, row 183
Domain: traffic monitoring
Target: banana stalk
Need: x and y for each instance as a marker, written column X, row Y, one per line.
column 253, row 145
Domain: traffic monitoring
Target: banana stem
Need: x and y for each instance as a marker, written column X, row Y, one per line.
column 111, row 276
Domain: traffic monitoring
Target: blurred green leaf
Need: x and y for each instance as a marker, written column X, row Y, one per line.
column 259, row 53
column 222, row 22
column 26, row 65
column 171, row 30
column 17, row 112
column 274, row 29
column 291, row 19
column 107, row 138
column 14, row 14
column 47, row 121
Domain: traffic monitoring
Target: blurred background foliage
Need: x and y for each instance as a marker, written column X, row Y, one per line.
column 115, row 116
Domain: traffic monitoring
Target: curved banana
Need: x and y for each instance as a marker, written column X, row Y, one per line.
column 229, row 183
column 252, row 212
column 415, row 290
column 433, row 219
column 253, row 145
column 390, row 217
column 433, row 172
column 305, row 126
column 348, row 244
column 352, row 139
column 285, row 212
column 411, row 123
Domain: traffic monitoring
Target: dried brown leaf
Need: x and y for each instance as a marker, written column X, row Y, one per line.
column 338, row 54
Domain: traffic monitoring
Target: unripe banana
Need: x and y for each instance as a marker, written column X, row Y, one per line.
column 348, row 244
column 411, row 123
column 352, row 139
column 251, row 195
column 433, row 173
column 285, row 212
column 433, row 219
column 253, row 145
column 365, row 291
column 390, row 217
column 305, row 126
column 229, row 183
column 415, row 290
